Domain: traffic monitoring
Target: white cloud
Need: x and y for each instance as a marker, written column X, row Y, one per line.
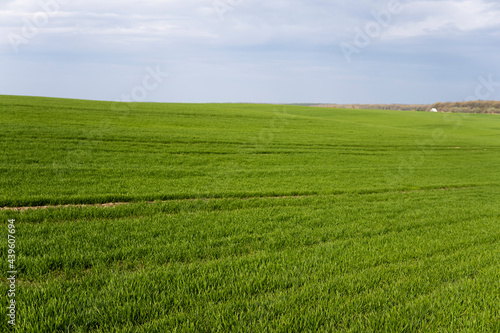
column 423, row 18
column 260, row 47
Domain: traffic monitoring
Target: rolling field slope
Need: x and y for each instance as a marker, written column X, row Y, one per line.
column 249, row 218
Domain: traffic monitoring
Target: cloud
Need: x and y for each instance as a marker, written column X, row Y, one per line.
column 259, row 50
column 431, row 18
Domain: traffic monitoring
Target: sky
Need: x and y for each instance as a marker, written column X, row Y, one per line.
column 258, row 51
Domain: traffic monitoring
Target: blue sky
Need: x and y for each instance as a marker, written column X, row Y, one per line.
column 262, row 51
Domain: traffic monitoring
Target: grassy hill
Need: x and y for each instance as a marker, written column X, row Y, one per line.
column 265, row 218
column 67, row 151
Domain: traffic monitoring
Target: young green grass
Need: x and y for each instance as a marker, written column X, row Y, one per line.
column 266, row 218
column 65, row 151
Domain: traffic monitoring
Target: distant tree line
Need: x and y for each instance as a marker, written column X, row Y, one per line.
column 396, row 107
column 457, row 107
column 468, row 107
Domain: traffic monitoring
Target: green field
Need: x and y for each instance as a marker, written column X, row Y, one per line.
column 249, row 218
